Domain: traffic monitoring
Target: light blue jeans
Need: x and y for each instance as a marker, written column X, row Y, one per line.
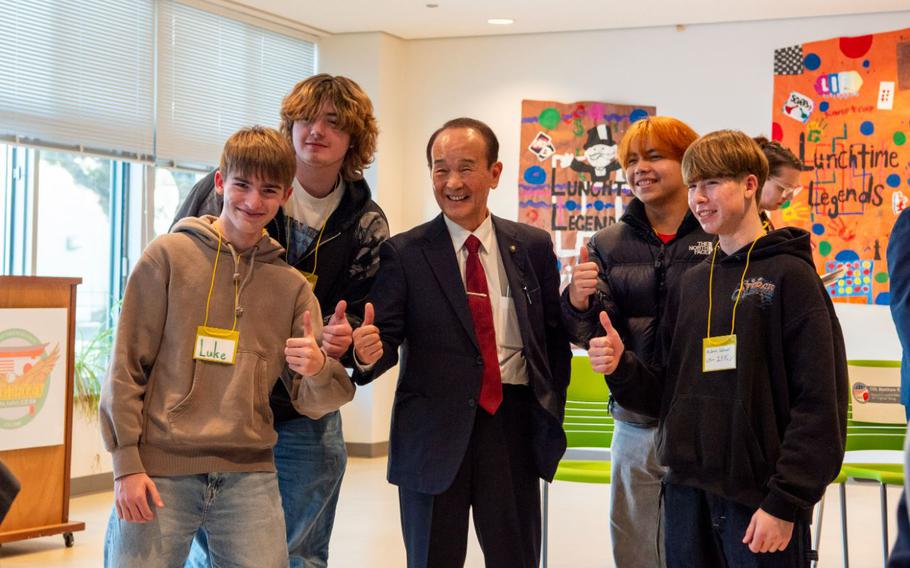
column 239, row 513
column 635, row 498
column 311, row 458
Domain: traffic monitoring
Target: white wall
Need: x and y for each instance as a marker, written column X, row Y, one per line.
column 376, row 62
column 711, row 76
column 89, row 456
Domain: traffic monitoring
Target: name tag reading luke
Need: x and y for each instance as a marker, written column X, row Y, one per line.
column 719, row 353
column 216, row 345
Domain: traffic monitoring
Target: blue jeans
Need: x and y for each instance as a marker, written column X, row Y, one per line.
column 702, row 529
column 239, row 513
column 310, row 457
column 636, row 474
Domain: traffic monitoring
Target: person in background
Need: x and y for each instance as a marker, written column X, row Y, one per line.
column 898, row 255
column 784, row 169
column 332, row 229
column 9, row 488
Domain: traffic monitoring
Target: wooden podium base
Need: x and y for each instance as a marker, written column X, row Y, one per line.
column 67, row 529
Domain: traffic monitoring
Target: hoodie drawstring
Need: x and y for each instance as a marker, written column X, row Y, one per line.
column 238, row 309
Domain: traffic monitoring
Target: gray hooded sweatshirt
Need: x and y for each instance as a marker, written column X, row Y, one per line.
column 167, row 414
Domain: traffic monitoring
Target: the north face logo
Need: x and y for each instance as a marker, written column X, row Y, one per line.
column 703, row 248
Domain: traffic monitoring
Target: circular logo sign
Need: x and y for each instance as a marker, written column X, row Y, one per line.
column 860, row 393
column 25, row 370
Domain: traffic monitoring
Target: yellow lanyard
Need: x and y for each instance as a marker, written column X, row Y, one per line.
column 739, row 292
column 212, row 285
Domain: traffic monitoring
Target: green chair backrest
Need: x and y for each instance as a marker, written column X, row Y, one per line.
column 873, row 435
column 587, row 423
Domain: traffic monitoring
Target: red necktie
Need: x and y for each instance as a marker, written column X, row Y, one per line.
column 482, row 314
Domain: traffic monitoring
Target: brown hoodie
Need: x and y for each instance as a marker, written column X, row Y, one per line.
column 166, row 414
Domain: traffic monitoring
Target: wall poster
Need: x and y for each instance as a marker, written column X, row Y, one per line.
column 570, row 182
column 843, row 105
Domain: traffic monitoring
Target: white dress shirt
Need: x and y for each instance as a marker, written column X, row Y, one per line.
column 509, row 344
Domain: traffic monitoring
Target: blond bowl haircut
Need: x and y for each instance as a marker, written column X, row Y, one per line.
column 725, row 154
column 669, row 135
column 355, row 116
column 259, row 151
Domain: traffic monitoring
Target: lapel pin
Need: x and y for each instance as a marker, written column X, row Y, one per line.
column 512, row 248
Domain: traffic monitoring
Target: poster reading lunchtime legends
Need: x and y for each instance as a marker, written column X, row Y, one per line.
column 570, row 182
column 843, row 105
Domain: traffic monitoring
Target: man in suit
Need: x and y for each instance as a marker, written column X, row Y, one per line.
column 473, row 302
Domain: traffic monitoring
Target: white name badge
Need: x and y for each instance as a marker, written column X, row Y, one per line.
column 719, row 353
column 216, row 345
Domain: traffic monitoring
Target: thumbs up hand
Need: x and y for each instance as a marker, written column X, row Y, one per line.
column 367, row 343
column 337, row 334
column 584, row 281
column 605, row 352
column 303, row 353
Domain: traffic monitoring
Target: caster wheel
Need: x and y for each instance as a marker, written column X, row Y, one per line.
column 69, row 539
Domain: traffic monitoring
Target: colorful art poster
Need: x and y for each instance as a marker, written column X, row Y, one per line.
column 843, row 105
column 33, row 354
column 570, row 182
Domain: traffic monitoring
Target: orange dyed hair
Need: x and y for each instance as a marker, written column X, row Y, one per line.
column 669, row 135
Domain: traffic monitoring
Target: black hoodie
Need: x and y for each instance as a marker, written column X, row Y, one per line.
column 770, row 433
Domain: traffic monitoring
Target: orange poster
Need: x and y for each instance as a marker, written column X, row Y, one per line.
column 843, row 105
column 570, row 182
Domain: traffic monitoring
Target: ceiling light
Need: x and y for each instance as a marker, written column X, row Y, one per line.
column 501, row 21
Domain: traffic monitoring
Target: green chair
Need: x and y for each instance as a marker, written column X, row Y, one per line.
column 872, row 436
column 588, row 426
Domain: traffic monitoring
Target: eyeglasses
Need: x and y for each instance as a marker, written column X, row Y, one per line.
column 786, row 190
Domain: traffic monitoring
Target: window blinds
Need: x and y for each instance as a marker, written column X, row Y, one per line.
column 84, row 74
column 217, row 75
column 77, row 73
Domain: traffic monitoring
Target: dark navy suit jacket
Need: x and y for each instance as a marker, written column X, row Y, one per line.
column 422, row 308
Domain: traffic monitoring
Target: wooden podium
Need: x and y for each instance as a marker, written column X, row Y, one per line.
column 42, row 507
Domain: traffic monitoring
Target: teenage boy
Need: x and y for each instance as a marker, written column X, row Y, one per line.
column 332, row 230
column 752, row 394
column 634, row 265
column 210, row 318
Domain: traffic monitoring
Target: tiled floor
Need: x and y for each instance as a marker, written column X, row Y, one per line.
column 367, row 531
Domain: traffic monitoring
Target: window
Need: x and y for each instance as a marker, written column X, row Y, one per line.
column 171, row 188
column 109, row 111
column 217, row 75
column 75, row 227
column 78, row 73
column 5, row 212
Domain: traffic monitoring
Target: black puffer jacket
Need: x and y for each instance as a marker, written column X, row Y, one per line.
column 348, row 255
column 637, row 272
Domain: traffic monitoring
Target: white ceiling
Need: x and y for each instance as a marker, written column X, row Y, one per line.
column 411, row 19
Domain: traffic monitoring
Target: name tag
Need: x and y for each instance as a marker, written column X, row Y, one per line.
column 718, row 353
column 216, row 345
column 311, row 278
